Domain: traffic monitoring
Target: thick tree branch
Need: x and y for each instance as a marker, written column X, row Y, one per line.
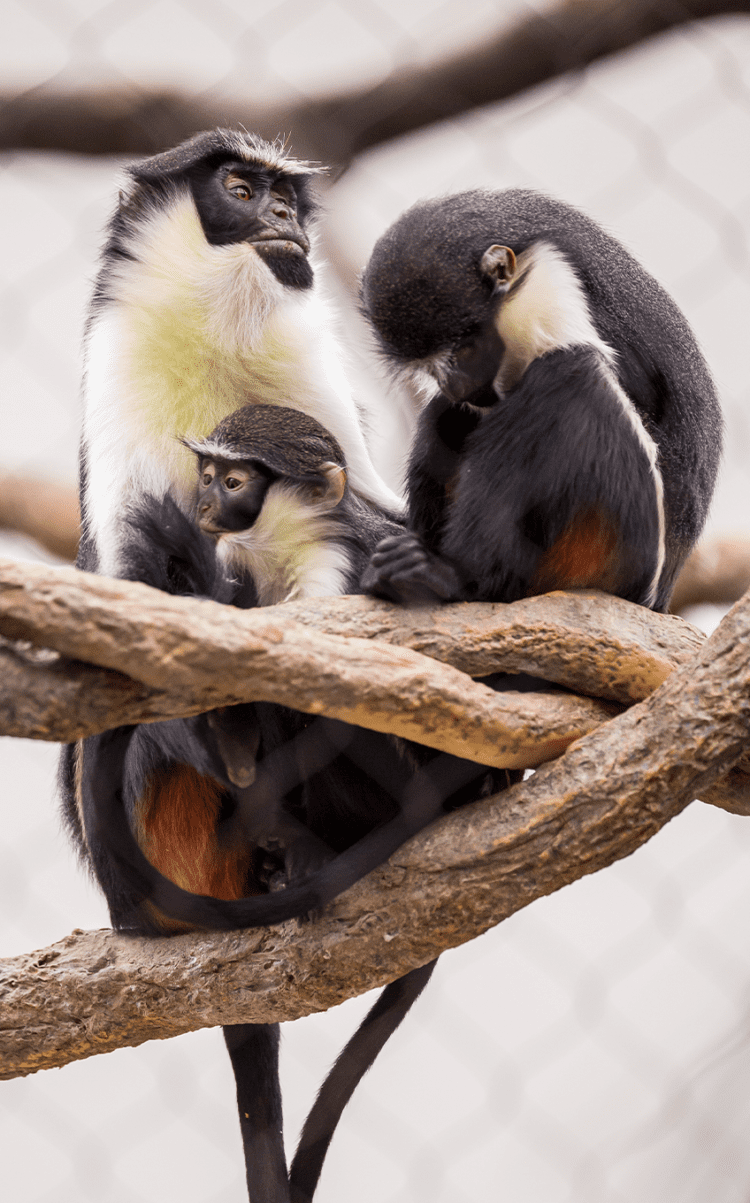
column 199, row 655
column 538, row 48
column 589, row 642
column 609, row 793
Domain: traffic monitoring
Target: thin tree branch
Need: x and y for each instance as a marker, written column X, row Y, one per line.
column 608, row 794
column 716, row 572
column 334, row 129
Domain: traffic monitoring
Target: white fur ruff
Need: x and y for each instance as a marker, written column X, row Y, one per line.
column 545, row 310
column 290, row 551
column 193, row 332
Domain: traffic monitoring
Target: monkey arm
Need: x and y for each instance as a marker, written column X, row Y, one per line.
column 403, row 570
column 407, row 567
column 434, row 462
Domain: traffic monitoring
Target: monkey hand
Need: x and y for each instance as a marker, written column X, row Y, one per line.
column 403, row 570
column 294, row 854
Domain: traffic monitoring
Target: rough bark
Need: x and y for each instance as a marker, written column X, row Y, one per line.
column 335, row 128
column 199, row 655
column 185, row 656
column 609, row 793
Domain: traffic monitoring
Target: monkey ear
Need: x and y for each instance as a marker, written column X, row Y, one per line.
column 498, row 264
column 332, row 490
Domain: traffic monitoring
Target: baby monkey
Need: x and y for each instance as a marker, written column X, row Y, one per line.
column 273, row 492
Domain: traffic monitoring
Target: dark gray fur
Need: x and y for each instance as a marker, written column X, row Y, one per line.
column 423, row 292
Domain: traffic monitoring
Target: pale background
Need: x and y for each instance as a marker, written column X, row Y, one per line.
column 595, row 1047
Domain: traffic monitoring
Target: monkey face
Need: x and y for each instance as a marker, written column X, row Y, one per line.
column 245, row 202
column 469, row 373
column 231, row 494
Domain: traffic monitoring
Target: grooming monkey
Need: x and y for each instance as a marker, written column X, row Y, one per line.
column 205, row 300
column 572, row 432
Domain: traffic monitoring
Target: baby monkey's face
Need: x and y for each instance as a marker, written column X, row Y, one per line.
column 231, row 494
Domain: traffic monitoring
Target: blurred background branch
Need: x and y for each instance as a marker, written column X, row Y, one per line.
column 336, row 127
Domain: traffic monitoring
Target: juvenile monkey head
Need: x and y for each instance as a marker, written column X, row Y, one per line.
column 255, row 448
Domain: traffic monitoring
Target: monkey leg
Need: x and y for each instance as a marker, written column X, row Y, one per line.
column 301, row 851
column 237, row 733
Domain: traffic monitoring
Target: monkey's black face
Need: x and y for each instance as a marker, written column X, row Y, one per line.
column 231, row 494
column 470, row 370
column 244, row 202
column 433, row 290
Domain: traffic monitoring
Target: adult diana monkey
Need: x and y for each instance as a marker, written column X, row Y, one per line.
column 205, row 300
column 572, row 435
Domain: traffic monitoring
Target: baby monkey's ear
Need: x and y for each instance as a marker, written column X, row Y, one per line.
column 331, row 489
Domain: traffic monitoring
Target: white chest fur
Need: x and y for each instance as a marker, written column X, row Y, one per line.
column 191, row 333
column 290, row 552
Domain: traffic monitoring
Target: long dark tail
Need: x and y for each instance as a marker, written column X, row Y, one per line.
column 254, row 1053
column 107, row 824
column 351, row 1066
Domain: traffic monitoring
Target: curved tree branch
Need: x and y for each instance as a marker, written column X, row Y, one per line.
column 175, row 656
column 200, row 654
column 609, row 793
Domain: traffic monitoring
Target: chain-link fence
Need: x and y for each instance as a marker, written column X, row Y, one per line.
column 595, row 1047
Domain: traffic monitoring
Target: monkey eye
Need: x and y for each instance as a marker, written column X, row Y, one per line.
column 238, row 187
column 207, row 478
column 233, row 482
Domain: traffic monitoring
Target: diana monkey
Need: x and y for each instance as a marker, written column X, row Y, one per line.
column 273, row 495
column 571, row 435
column 206, row 299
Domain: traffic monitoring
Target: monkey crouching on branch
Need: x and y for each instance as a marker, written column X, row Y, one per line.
column 572, row 434
column 181, row 819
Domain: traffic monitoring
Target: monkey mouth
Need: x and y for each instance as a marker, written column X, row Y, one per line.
column 208, row 528
column 276, row 244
